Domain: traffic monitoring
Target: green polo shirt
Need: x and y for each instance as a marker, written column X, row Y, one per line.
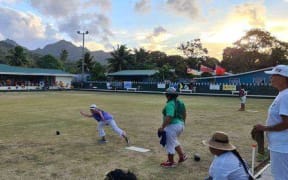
column 169, row 110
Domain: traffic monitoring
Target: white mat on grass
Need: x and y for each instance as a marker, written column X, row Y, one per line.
column 139, row 149
column 251, row 111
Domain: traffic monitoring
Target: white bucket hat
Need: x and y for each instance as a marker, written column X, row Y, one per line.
column 281, row 70
column 93, row 106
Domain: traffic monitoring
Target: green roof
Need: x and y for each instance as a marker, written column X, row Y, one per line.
column 15, row 70
column 134, row 73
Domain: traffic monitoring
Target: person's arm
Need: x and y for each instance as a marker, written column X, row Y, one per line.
column 166, row 122
column 100, row 114
column 85, row 114
column 278, row 127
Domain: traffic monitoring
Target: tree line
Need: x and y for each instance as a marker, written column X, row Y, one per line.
column 257, row 49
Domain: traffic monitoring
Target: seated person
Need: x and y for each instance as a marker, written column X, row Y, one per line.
column 227, row 163
column 119, row 174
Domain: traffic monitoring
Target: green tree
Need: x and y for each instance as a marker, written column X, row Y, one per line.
column 255, row 50
column 17, row 57
column 142, row 59
column 64, row 55
column 88, row 63
column 121, row 58
column 194, row 49
column 98, row 72
column 158, row 58
column 49, row 62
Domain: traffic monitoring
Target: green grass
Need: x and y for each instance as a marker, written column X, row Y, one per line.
column 30, row 149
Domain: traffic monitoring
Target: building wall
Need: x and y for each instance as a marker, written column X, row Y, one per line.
column 64, row 82
column 249, row 78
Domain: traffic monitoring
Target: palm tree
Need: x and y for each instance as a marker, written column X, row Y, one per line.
column 121, row 59
column 17, row 57
column 88, row 62
column 142, row 59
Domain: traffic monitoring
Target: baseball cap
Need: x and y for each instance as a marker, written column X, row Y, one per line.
column 171, row 90
column 281, row 70
column 93, row 106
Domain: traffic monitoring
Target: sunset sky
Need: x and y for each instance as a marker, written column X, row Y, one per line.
column 152, row 24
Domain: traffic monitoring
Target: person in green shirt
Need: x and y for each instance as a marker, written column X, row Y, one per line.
column 174, row 116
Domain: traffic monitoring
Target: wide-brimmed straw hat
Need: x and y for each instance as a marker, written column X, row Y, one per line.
column 220, row 140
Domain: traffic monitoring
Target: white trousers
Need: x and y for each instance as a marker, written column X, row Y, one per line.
column 243, row 99
column 279, row 165
column 173, row 131
column 110, row 123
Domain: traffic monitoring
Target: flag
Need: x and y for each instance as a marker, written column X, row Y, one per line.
column 219, row 71
column 205, row 69
column 193, row 71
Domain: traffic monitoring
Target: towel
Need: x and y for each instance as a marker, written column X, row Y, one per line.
column 258, row 136
column 162, row 135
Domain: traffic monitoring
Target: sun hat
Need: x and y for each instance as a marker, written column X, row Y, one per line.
column 220, row 140
column 93, row 106
column 171, row 90
column 281, row 70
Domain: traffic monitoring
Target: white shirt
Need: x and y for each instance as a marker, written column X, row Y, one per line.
column 227, row 167
column 278, row 140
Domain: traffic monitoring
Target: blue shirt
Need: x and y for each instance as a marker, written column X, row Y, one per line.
column 106, row 116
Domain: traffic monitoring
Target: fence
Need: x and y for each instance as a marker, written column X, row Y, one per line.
column 253, row 89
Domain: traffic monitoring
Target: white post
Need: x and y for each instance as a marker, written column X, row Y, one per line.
column 253, row 158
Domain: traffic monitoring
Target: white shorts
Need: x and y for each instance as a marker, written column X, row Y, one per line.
column 173, row 131
column 279, row 165
column 243, row 100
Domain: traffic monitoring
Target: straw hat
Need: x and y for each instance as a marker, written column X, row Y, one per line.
column 220, row 141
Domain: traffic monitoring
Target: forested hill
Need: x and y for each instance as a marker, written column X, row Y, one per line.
column 74, row 52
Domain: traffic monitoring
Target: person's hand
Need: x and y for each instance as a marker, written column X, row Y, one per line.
column 259, row 127
column 160, row 129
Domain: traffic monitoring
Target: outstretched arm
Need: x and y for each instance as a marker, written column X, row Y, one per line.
column 85, row 114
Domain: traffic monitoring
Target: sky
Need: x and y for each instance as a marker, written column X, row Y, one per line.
column 160, row 25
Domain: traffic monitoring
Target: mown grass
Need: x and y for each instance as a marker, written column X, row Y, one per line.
column 30, row 149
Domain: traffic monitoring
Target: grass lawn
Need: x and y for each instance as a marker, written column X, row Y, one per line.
column 30, row 149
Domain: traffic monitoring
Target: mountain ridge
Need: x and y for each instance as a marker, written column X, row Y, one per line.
column 74, row 52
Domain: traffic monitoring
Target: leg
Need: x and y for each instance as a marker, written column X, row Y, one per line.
column 179, row 149
column 119, row 131
column 172, row 132
column 115, row 128
column 101, row 131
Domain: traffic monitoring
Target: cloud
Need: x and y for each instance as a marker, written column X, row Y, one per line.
column 254, row 13
column 158, row 35
column 59, row 9
column 156, row 39
column 142, row 6
column 25, row 28
column 72, row 18
column 187, row 8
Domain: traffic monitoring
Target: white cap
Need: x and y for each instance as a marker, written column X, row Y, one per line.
column 171, row 90
column 93, row 106
column 281, row 70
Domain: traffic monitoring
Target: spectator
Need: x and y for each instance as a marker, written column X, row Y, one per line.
column 173, row 125
column 242, row 95
column 276, row 127
column 227, row 163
